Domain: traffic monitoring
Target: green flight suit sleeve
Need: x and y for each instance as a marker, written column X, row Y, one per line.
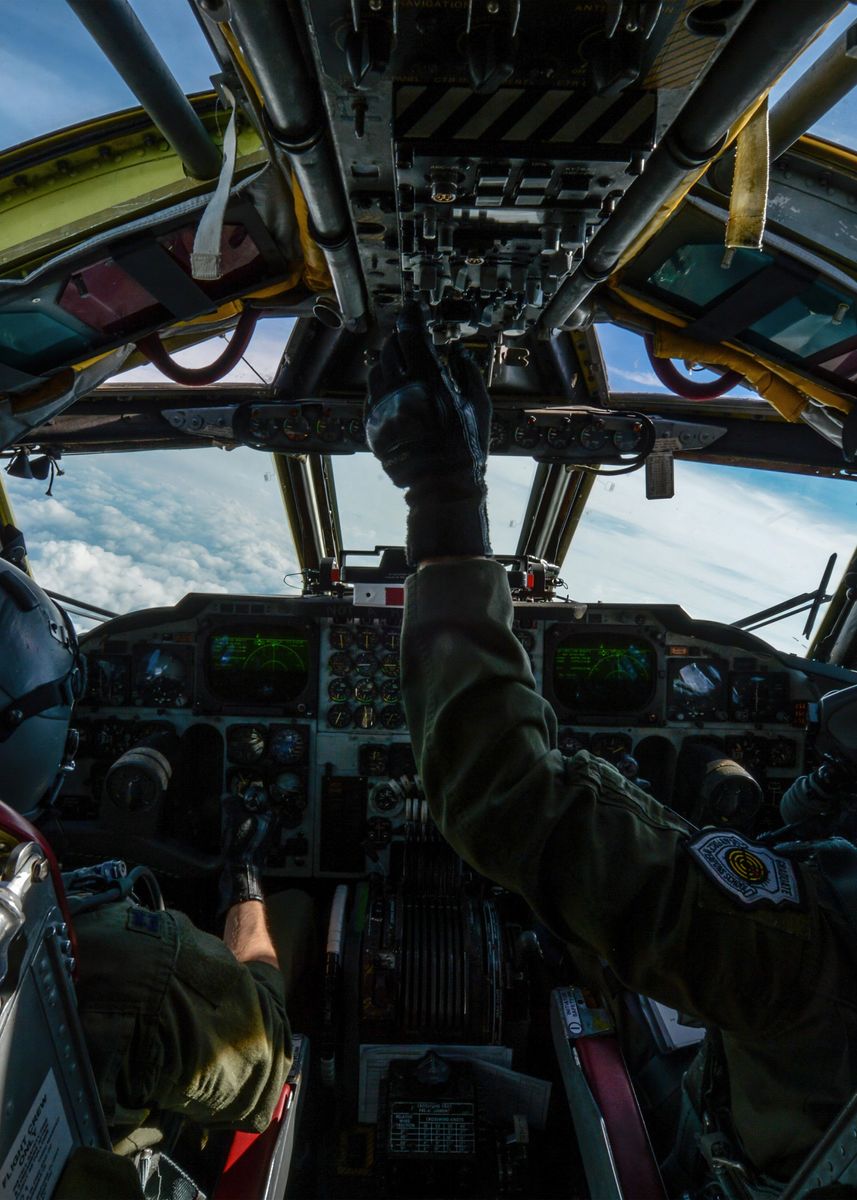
column 174, row 1022
column 223, row 1035
column 597, row 858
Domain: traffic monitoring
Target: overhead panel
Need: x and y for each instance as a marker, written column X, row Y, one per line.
column 483, row 145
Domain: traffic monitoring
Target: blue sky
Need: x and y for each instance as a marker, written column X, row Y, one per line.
column 131, row 531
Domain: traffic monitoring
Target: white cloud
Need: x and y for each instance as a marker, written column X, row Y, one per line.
column 645, row 379
column 127, row 532
column 36, row 99
column 730, row 543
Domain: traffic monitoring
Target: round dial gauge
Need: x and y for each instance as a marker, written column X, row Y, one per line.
column 364, row 691
column 610, row 745
column 339, row 716
column 391, row 640
column 367, row 638
column 390, row 665
column 364, row 716
column 385, row 798
column 245, row 744
column 162, row 679
column 392, row 716
column 287, row 745
column 375, row 760
column 570, row 742
column 366, row 664
column 340, row 637
column 390, row 690
column 593, row 437
column 287, row 786
column 527, row 435
column 339, row 664
column 337, row 690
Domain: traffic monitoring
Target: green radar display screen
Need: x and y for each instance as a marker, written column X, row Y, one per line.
column 249, row 666
column 604, row 672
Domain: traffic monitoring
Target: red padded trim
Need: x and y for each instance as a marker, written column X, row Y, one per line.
column 608, row 1080
column 19, row 827
column 249, row 1157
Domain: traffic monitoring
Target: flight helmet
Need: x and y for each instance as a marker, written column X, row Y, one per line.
column 42, row 673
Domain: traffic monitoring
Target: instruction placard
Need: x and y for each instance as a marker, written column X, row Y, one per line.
column 40, row 1150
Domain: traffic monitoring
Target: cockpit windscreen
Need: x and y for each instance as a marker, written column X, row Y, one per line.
column 604, row 672
column 246, row 665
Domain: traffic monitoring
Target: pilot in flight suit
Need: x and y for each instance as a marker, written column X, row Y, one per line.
column 748, row 940
column 175, row 1019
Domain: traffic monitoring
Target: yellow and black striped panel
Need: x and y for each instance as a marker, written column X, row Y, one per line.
column 558, row 116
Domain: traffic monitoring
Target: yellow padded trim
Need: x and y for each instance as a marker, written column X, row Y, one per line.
column 785, row 390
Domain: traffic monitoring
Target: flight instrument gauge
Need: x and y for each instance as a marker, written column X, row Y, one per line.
column 391, row 640
column 339, row 716
column 245, row 744
column 288, row 797
column 392, row 716
column 390, row 665
column 364, row 691
column 570, row 741
column 161, row 677
column 339, row 664
column 364, row 717
column 287, row 744
column 390, row 690
column 366, row 664
column 340, row 637
column 611, row 746
column 337, row 690
column 367, row 638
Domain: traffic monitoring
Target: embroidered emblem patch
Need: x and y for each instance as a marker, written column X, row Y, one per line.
column 143, row 920
column 750, row 873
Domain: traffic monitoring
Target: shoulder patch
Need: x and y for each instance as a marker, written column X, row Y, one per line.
column 751, row 874
column 143, row 920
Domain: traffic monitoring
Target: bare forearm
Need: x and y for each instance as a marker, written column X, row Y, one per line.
column 246, row 933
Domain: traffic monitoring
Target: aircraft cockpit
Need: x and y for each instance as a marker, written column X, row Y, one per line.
column 637, row 218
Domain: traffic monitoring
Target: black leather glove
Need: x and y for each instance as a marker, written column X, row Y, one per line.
column 245, row 833
column 429, row 426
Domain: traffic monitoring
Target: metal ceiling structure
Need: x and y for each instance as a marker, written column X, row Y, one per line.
column 522, row 202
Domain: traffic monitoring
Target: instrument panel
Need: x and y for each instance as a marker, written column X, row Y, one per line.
column 297, row 702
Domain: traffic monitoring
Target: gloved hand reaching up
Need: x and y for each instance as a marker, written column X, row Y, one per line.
column 429, row 426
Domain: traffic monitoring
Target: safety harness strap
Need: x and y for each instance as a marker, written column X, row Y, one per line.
column 38, row 700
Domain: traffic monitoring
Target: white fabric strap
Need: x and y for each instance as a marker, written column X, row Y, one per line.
column 206, row 259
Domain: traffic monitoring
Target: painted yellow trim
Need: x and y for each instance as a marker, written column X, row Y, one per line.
column 828, row 152
column 316, row 274
column 59, row 205
column 785, row 390
column 238, row 55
